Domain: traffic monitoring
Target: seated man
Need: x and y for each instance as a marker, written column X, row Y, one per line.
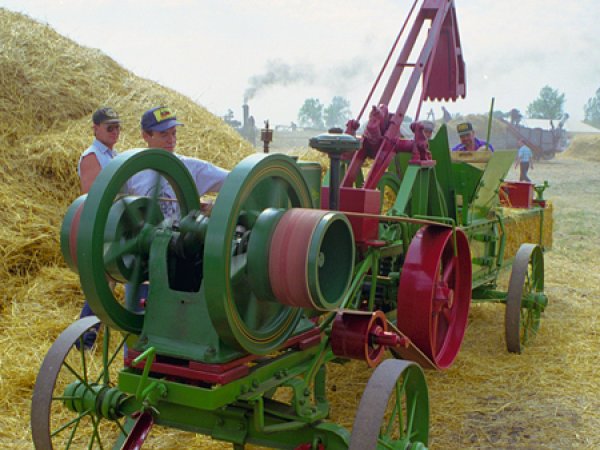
column 468, row 140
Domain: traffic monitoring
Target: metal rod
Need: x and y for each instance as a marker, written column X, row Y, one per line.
column 334, row 182
column 489, row 128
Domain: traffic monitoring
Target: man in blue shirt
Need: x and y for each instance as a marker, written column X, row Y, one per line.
column 468, row 140
column 525, row 160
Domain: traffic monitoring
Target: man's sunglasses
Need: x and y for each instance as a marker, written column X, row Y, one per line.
column 111, row 128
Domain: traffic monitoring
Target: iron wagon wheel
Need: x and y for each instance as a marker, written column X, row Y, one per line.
column 525, row 300
column 434, row 294
column 114, row 231
column 59, row 416
column 259, row 183
column 394, row 409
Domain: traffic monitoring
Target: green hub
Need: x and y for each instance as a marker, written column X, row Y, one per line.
column 244, row 318
column 330, row 261
column 97, row 399
column 113, row 238
column 125, row 223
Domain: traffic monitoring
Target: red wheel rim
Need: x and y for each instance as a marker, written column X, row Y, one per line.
column 435, row 293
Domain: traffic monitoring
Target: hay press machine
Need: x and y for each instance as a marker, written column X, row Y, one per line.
column 248, row 304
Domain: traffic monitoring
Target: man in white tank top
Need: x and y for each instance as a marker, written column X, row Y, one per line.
column 107, row 127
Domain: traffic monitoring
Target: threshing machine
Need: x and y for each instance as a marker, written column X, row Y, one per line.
column 249, row 303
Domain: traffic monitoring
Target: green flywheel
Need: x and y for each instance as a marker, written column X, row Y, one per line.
column 245, row 320
column 115, row 231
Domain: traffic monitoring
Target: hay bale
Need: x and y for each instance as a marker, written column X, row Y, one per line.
column 523, row 226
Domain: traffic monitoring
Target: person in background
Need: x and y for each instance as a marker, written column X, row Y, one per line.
column 428, row 127
column 525, row 160
column 468, row 141
column 107, row 127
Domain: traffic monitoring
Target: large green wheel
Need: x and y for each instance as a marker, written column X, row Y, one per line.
column 115, row 231
column 245, row 318
column 394, row 409
column 525, row 300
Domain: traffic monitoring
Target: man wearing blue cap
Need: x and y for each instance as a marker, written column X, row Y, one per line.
column 159, row 130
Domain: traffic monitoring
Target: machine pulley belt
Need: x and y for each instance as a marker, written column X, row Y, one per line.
column 411, row 352
column 383, row 218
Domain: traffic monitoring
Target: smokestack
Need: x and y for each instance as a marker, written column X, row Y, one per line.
column 246, row 114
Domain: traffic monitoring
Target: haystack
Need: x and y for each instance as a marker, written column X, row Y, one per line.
column 49, row 87
column 584, row 147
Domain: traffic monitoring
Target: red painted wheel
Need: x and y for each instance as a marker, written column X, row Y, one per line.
column 435, row 292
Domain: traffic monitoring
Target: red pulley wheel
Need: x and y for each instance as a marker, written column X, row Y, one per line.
column 434, row 294
column 311, row 258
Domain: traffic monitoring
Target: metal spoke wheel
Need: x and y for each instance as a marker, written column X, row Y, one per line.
column 59, row 418
column 525, row 300
column 246, row 318
column 115, row 231
column 394, row 409
column 434, row 294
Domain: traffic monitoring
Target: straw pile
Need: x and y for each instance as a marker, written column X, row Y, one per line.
column 585, row 147
column 49, row 86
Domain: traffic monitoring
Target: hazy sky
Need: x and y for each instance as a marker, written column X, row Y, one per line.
column 281, row 52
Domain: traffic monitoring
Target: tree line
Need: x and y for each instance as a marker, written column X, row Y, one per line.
column 548, row 105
